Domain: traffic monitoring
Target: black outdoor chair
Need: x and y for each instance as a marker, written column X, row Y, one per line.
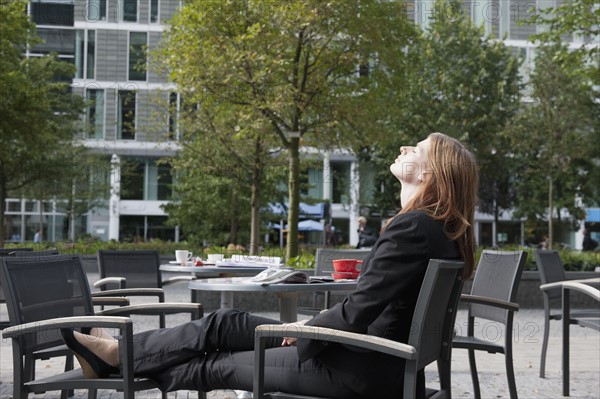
column 552, row 271
column 8, row 252
column 591, row 322
column 324, row 266
column 492, row 298
column 437, row 303
column 45, row 296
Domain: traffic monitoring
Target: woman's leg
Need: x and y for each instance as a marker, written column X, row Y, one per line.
column 224, row 330
column 234, row 370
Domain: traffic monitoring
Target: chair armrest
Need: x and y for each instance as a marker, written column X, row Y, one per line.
column 110, row 301
column 66, row 322
column 583, row 288
column 482, row 300
column 371, row 342
column 320, row 333
column 178, row 279
column 152, row 309
column 559, row 284
column 158, row 292
column 121, row 281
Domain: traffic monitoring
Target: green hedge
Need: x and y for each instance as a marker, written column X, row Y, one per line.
column 572, row 260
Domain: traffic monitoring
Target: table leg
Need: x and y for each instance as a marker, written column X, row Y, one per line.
column 226, row 299
column 288, row 306
column 566, row 323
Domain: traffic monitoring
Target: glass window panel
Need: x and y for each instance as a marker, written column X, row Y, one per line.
column 79, row 53
column 157, row 229
column 153, row 11
column 52, row 13
column 126, row 116
column 95, row 121
column 91, row 54
column 61, row 41
column 129, row 10
column 96, row 10
column 341, row 182
column 13, row 206
column 132, row 179
column 159, row 182
column 137, row 55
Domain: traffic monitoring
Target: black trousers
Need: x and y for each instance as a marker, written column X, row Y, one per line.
column 217, row 352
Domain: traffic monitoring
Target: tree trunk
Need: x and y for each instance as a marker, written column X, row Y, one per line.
column 2, row 208
column 294, row 195
column 255, row 199
column 550, row 214
column 234, row 222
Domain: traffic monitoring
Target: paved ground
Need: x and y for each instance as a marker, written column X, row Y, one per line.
column 528, row 325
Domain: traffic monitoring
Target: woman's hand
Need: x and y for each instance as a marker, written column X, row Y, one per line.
column 289, row 341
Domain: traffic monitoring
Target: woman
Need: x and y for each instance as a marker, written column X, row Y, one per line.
column 439, row 182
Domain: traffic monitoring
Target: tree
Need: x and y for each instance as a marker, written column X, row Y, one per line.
column 295, row 65
column 463, row 84
column 39, row 114
column 555, row 140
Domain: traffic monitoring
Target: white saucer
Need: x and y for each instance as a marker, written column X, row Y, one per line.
column 174, row 262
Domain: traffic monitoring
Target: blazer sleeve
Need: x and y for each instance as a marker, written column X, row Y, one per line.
column 393, row 273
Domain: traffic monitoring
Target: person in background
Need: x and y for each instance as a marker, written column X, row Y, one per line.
column 439, row 178
column 589, row 244
column 37, row 237
column 366, row 235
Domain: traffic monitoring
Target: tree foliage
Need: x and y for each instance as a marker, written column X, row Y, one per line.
column 555, row 141
column 39, row 113
column 463, row 84
column 291, row 67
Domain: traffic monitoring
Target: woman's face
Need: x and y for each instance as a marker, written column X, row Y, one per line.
column 411, row 163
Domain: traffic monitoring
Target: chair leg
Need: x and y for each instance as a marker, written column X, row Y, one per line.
column 545, row 341
column 445, row 377
column 510, row 374
column 474, row 377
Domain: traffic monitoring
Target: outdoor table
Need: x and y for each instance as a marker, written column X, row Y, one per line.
column 566, row 286
column 287, row 293
column 207, row 271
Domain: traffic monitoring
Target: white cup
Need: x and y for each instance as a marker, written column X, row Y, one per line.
column 183, row 256
column 213, row 258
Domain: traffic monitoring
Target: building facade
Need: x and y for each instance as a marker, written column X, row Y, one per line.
column 132, row 120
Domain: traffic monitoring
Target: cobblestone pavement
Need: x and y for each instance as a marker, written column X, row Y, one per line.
column 528, row 328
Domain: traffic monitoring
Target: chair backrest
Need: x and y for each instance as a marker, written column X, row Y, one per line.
column 9, row 252
column 40, row 255
column 551, row 270
column 325, row 256
column 39, row 289
column 435, row 312
column 141, row 269
column 497, row 276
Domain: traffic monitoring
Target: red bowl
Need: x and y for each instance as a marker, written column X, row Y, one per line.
column 345, row 275
column 346, row 265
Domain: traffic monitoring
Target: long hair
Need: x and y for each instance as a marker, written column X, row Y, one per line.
column 449, row 193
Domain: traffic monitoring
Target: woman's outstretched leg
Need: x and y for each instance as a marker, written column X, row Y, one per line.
column 223, row 330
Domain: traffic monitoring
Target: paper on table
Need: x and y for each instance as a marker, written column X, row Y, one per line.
column 250, row 261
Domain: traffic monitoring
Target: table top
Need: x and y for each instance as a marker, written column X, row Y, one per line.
column 243, row 284
column 212, row 270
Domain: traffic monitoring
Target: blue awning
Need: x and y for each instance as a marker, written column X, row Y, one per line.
column 593, row 215
column 306, row 211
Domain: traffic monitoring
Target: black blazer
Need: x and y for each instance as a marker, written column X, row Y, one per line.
column 385, row 297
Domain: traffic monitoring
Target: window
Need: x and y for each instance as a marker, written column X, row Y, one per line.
column 85, row 54
column 91, row 54
column 159, row 181
column 129, row 10
column 132, row 179
column 52, row 13
column 137, row 55
column 95, row 114
column 96, row 10
column 153, row 11
column 61, row 41
column 126, row 115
